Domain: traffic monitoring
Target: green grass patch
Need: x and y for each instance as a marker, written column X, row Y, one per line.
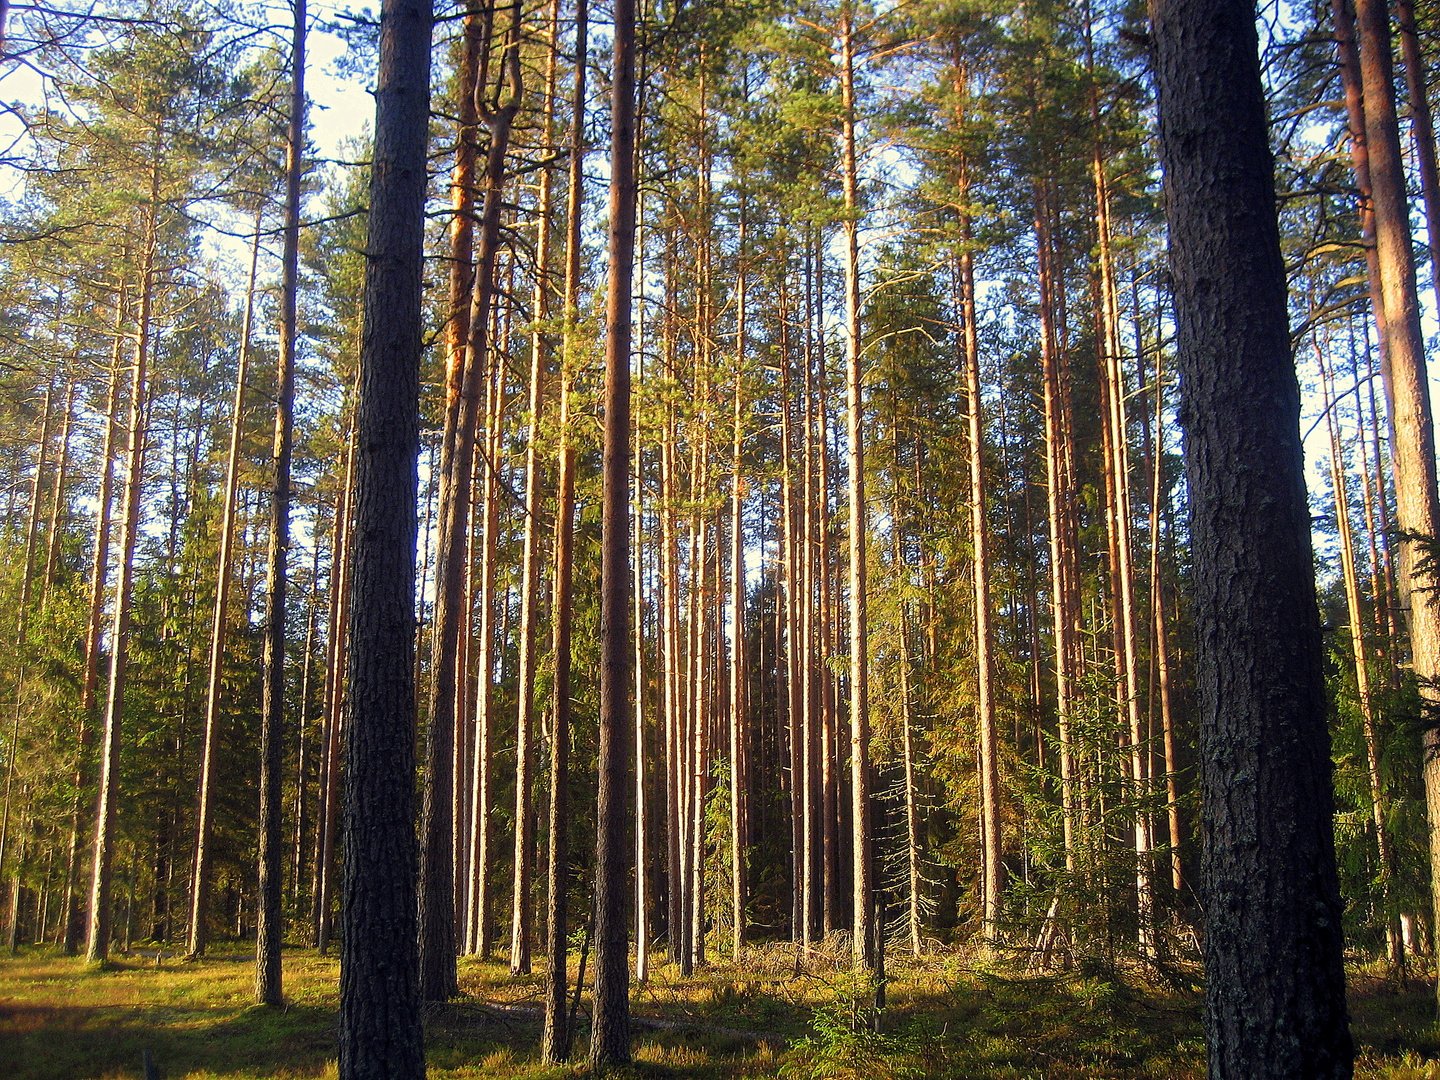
column 765, row 1017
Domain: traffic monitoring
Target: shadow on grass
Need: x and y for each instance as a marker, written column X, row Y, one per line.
column 40, row 1042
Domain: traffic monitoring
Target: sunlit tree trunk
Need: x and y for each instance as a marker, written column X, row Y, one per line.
column 523, row 907
column 861, row 840
column 1412, row 439
column 987, row 737
column 90, row 675
column 327, row 825
column 1422, row 129
column 438, row 979
column 738, row 732
column 98, row 942
column 200, row 866
column 1351, row 577
column 1061, row 543
column 1117, row 470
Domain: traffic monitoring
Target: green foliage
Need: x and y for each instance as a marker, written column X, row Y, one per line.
column 848, row 1041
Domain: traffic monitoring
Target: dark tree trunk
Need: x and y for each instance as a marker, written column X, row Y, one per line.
column 610, row 1033
column 1275, row 995
column 269, row 924
column 555, row 1037
column 380, row 1029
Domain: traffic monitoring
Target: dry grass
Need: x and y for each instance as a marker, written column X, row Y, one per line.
column 773, row 1014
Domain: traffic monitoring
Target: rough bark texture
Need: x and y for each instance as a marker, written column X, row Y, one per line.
column 1275, row 995
column 380, row 1030
column 610, row 1033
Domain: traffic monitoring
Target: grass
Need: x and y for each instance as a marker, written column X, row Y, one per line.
column 945, row 1016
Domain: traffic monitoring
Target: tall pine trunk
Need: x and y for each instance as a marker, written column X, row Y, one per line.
column 224, row 575
column 522, row 914
column 555, row 1036
column 1407, row 392
column 380, row 1021
column 610, row 1030
column 269, row 924
column 98, row 941
column 1275, row 986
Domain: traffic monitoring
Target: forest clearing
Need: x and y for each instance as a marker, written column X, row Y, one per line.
column 944, row 1018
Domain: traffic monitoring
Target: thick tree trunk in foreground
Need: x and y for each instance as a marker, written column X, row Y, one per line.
column 1275, row 994
column 610, row 1032
column 380, row 1029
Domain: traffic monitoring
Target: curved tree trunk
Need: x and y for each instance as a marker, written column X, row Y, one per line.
column 438, row 980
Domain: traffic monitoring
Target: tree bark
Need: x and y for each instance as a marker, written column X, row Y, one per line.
column 438, row 978
column 555, row 1036
column 522, row 914
column 738, row 717
column 1407, row 393
column 380, row 1022
column 1275, row 993
column 610, row 1031
column 269, row 923
column 90, row 676
column 862, row 913
column 200, row 865
column 97, row 948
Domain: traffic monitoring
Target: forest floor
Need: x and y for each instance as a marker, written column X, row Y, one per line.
column 945, row 1017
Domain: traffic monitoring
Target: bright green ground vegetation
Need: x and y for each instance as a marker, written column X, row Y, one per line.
column 946, row 1016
